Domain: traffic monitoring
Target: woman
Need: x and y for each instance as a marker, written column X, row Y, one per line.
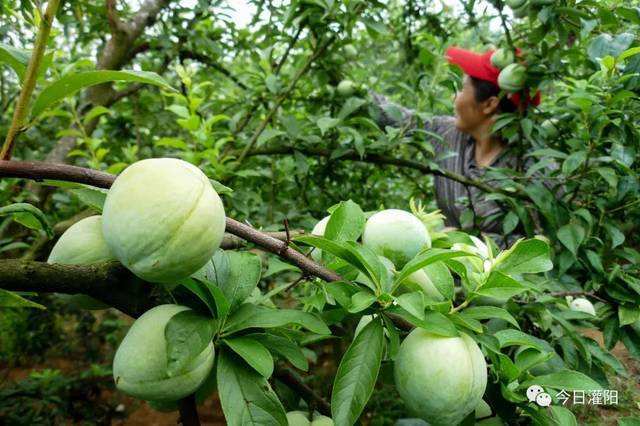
column 470, row 142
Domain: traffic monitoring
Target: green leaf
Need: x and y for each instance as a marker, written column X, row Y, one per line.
column 525, row 257
column 440, row 324
column 9, row 299
column 510, row 337
column 567, row 379
column 188, row 334
column 488, row 312
column 91, row 196
column 359, row 256
column 628, row 314
column 70, row 84
column 361, row 301
column 573, row 161
column 350, row 105
column 268, row 134
column 95, row 112
column 283, row 347
column 425, row 258
column 357, row 374
column 327, row 123
column 254, row 353
column 236, row 274
column 246, row 396
column 204, row 292
column 571, row 236
column 500, row 286
column 17, row 59
column 251, row 316
column 346, row 222
column 413, row 303
column 29, row 216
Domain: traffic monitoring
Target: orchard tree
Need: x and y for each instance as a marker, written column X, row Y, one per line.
column 171, row 146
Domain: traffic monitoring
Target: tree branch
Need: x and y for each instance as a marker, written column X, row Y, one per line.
column 31, row 75
column 380, row 159
column 39, row 171
column 108, row 282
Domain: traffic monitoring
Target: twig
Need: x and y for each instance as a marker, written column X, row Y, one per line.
column 280, row 100
column 289, row 47
column 294, row 381
column 399, row 162
column 31, row 75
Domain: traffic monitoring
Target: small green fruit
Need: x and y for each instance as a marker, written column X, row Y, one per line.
column 140, row 363
column 512, row 77
column 395, row 234
column 163, row 220
column 82, row 244
column 542, row 2
column 420, row 280
column 346, row 88
column 298, row 418
column 501, row 58
column 350, row 51
column 581, row 304
column 440, row 379
column 320, row 420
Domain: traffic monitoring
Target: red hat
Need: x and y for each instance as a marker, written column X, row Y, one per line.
column 479, row 65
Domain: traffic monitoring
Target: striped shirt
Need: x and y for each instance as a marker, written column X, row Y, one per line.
column 456, row 153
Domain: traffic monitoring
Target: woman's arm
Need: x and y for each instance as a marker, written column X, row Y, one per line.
column 386, row 113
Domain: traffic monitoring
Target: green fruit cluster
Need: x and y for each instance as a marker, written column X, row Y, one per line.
column 162, row 219
column 140, row 364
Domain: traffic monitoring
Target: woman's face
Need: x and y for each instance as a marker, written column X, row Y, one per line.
column 470, row 114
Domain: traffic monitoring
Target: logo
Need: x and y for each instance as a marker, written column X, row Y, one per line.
column 536, row 394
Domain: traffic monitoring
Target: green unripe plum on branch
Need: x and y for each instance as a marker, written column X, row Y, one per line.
column 440, row 379
column 581, row 304
column 320, row 420
column 163, row 220
column 395, row 234
column 346, row 88
column 512, row 77
column 140, row 363
column 350, row 51
column 82, row 244
column 420, row 281
column 502, row 57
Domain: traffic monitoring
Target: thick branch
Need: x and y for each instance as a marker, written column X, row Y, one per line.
column 295, row 382
column 39, row 171
column 109, row 282
column 31, row 75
